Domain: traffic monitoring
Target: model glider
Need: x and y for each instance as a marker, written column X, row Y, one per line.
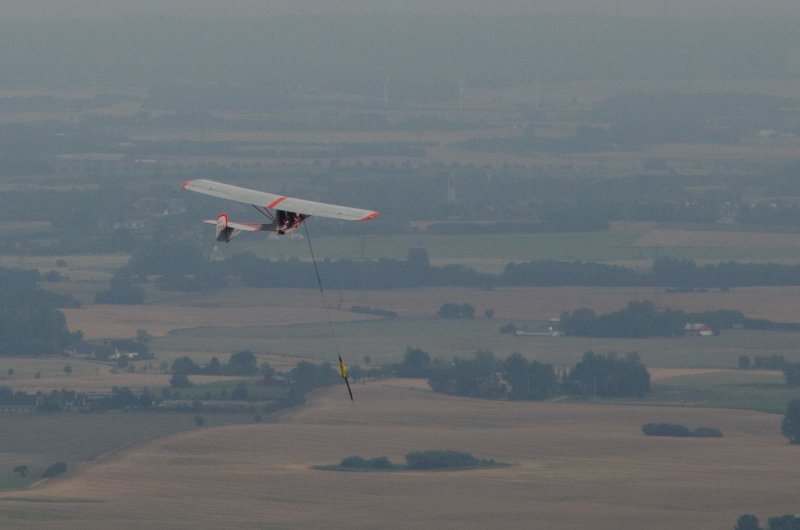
column 284, row 213
column 343, row 369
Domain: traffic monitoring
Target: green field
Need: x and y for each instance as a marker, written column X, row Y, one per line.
column 38, row 440
column 489, row 252
column 385, row 341
column 221, row 390
column 766, row 392
column 588, row 246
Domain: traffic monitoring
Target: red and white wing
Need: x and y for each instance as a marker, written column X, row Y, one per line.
column 269, row 200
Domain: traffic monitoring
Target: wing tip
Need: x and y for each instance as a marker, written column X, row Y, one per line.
column 371, row 215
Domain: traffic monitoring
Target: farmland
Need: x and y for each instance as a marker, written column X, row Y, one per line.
column 575, row 466
column 482, row 142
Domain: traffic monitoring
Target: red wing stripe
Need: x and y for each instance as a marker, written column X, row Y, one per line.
column 373, row 215
column 276, row 202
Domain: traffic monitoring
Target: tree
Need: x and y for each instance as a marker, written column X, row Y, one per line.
column 516, row 373
column 242, row 363
column 199, row 421
column 790, row 425
column 123, row 398
column 307, row 376
column 68, row 369
column 791, row 372
column 240, row 392
column 267, row 370
column 214, row 367
column 184, row 366
column 415, row 363
column 21, row 470
column 449, row 311
column 122, row 291
column 142, row 343
column 784, row 522
column 180, row 381
column 440, row 459
column 456, row 311
column 417, row 259
column 744, row 362
column 54, row 470
column 609, row 376
column 747, row 521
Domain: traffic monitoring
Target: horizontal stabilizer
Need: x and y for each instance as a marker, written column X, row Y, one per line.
column 245, row 227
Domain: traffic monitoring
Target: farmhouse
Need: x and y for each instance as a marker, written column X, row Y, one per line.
column 699, row 329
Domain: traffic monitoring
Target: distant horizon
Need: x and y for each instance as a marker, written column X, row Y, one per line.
column 207, row 9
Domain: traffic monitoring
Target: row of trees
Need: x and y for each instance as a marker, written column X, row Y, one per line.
column 665, row 272
column 240, row 363
column 296, row 383
column 791, row 371
column 61, row 400
column 641, row 319
column 517, row 378
column 638, row 319
column 681, row 431
column 418, row 460
column 180, row 266
column 749, row 521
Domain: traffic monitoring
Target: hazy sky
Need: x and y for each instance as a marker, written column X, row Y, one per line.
column 93, row 9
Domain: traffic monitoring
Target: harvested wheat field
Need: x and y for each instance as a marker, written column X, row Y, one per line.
column 576, row 467
column 542, row 303
column 255, row 307
column 122, row 321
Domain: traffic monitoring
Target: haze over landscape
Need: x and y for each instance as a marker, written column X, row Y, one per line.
column 577, row 307
column 97, row 9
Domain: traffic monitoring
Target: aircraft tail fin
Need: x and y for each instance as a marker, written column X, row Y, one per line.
column 222, row 225
column 225, row 231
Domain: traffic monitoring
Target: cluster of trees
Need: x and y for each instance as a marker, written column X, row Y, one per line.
column 30, row 320
column 748, row 521
column 306, row 376
column 638, row 319
column 61, row 400
column 641, row 319
column 446, row 459
column 240, row 363
column 791, row 371
column 608, row 376
column 517, row 378
column 681, row 431
column 356, row 462
column 181, row 266
column 456, row 311
column 790, row 425
column 484, row 376
column 418, row 460
column 123, row 290
column 385, row 313
column 295, row 384
column 54, row 470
